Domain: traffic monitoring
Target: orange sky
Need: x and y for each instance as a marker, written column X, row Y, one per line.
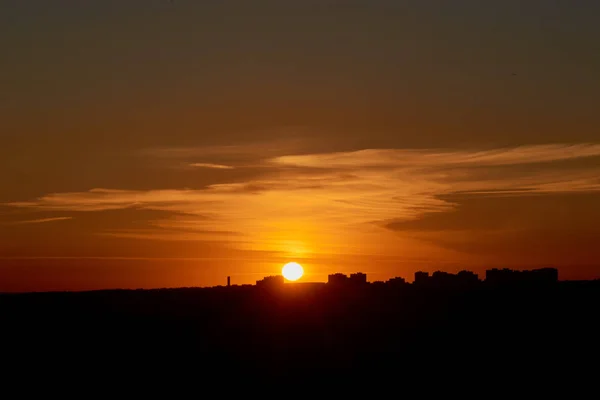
column 169, row 145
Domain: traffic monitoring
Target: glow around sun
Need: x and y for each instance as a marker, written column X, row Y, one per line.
column 292, row 271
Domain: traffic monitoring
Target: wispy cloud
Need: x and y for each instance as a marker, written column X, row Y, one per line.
column 209, row 165
column 395, row 158
column 269, row 148
column 319, row 194
column 41, row 220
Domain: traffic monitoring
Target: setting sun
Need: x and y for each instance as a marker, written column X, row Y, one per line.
column 292, row 271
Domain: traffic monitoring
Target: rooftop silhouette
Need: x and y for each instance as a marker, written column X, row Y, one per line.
column 438, row 279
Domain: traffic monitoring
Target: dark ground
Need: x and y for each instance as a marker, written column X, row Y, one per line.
column 308, row 331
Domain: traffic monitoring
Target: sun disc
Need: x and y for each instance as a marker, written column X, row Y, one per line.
column 292, row 271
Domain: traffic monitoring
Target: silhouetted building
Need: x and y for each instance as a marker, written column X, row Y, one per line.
column 440, row 279
column 547, row 275
column 337, row 279
column 508, row 276
column 496, row 275
column 271, row 281
column 468, row 277
column 228, row 281
column 421, row 277
column 358, row 278
column 397, row 281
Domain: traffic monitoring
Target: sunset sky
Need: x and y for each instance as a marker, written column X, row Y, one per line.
column 155, row 144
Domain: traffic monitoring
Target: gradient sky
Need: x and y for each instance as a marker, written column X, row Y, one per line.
column 150, row 144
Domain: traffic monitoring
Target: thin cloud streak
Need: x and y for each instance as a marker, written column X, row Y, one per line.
column 16, row 258
column 210, row 166
column 439, row 158
column 172, row 235
column 321, row 195
column 41, row 220
column 261, row 149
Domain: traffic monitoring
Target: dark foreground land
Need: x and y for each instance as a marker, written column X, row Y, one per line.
column 308, row 331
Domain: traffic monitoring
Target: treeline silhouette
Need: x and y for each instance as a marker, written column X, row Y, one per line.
column 346, row 328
